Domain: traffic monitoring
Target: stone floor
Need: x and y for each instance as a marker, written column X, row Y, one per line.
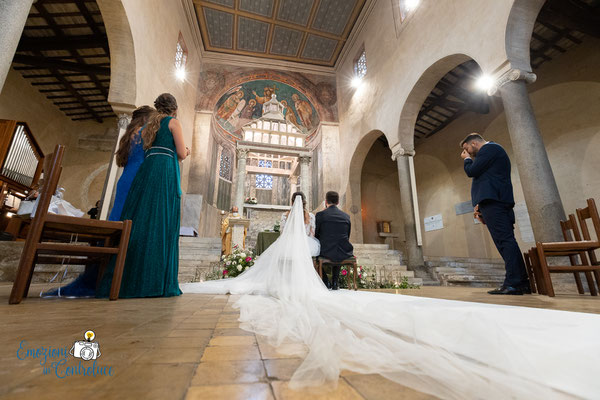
column 189, row 347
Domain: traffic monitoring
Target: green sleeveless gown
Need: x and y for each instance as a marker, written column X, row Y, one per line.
column 153, row 205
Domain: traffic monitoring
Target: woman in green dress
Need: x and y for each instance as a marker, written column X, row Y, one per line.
column 153, row 205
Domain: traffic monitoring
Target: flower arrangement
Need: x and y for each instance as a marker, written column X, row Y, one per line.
column 367, row 279
column 235, row 263
column 251, row 200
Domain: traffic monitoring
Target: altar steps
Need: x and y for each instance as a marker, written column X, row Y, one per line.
column 197, row 257
column 471, row 272
column 386, row 262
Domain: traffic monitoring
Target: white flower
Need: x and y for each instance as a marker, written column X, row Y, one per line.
column 223, row 257
column 228, row 263
column 243, row 255
column 239, row 267
column 245, row 268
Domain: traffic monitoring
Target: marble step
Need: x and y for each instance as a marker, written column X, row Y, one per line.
column 363, row 246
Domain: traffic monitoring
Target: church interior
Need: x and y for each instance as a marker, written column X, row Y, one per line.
column 367, row 98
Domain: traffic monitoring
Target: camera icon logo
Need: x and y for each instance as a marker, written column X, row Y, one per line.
column 86, row 349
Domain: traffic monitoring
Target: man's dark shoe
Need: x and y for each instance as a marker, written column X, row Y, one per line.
column 334, row 286
column 507, row 290
column 525, row 289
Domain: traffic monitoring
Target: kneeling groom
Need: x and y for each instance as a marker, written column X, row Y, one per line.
column 333, row 231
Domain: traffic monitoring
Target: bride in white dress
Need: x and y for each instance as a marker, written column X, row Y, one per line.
column 450, row 349
column 314, row 245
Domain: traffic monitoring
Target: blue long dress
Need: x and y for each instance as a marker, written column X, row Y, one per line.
column 135, row 160
column 153, row 206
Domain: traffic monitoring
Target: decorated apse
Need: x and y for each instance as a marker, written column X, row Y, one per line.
column 243, row 103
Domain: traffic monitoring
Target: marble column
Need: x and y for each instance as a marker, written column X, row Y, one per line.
column 305, row 178
column 537, row 180
column 414, row 252
column 13, row 15
column 240, row 180
column 110, row 182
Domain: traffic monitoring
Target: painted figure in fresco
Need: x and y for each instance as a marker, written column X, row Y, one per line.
column 268, row 91
column 304, row 111
column 234, row 119
column 248, row 111
column 290, row 117
column 229, row 105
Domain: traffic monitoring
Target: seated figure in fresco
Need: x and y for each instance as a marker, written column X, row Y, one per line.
column 227, row 231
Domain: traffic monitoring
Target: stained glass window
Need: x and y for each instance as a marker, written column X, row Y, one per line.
column 265, row 163
column 360, row 65
column 225, row 165
column 264, row 181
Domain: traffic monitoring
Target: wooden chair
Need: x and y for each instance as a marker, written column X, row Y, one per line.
column 583, row 214
column 349, row 261
column 50, row 237
column 570, row 249
column 530, row 271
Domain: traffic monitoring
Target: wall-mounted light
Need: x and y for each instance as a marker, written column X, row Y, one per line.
column 485, row 82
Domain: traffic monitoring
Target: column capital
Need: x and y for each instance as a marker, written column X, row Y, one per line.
column 304, row 159
column 513, row 74
column 124, row 120
column 402, row 153
column 242, row 154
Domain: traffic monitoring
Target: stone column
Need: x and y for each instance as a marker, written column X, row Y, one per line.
column 293, row 184
column 414, row 252
column 110, row 182
column 537, row 180
column 240, row 180
column 13, row 15
column 305, row 178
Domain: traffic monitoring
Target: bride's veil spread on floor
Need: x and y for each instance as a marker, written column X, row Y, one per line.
column 449, row 349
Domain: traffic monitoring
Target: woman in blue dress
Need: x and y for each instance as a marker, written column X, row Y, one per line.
column 129, row 156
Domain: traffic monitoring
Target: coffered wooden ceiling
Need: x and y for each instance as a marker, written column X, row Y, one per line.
column 306, row 31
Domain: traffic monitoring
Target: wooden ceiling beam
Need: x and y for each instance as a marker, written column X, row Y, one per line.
column 40, row 62
column 64, row 43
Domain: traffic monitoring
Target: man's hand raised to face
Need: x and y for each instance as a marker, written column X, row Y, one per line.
column 465, row 154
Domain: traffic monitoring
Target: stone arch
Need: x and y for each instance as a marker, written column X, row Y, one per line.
column 419, row 92
column 122, row 92
column 353, row 191
column 518, row 32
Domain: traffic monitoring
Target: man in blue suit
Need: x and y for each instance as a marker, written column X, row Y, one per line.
column 492, row 197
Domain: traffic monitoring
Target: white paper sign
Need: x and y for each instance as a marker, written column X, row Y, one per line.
column 433, row 223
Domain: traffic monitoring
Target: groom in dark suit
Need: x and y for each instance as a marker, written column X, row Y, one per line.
column 492, row 197
column 333, row 231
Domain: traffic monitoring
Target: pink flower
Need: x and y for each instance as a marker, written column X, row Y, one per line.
column 360, row 275
column 248, row 259
column 225, row 272
column 344, row 272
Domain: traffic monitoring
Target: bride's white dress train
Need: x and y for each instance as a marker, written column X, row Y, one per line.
column 450, row 349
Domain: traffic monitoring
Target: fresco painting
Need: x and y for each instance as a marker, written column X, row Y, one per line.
column 243, row 103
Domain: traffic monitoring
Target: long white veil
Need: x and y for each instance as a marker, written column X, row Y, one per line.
column 450, row 349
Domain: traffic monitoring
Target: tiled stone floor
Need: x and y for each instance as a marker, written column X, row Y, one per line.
column 189, row 347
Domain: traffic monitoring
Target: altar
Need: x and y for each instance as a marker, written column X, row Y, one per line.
column 262, row 217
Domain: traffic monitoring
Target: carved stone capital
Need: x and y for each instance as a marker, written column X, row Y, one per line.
column 124, row 120
column 304, row 159
column 242, row 154
column 510, row 76
column 400, row 152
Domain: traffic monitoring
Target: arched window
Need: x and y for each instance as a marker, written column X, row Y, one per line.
column 360, row 64
column 180, row 58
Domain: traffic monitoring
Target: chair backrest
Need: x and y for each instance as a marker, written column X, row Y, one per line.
column 570, row 230
column 51, row 178
column 583, row 214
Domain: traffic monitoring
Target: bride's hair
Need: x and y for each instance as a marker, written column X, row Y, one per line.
column 306, row 215
column 303, row 198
